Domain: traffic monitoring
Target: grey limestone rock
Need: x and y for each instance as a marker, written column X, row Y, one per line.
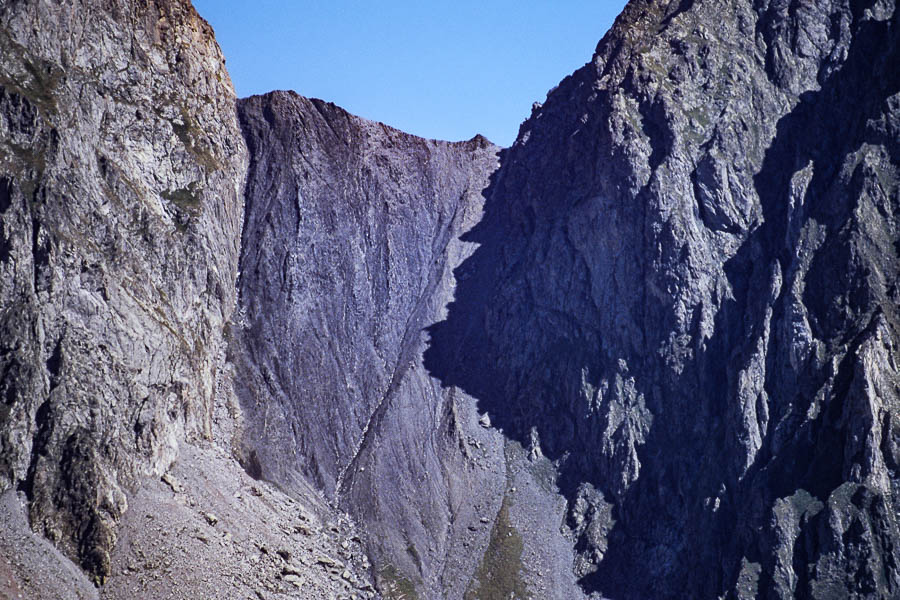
column 351, row 237
column 687, row 284
column 676, row 297
column 121, row 166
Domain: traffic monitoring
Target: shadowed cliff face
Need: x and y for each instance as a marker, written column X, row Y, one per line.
column 685, row 295
column 351, row 237
column 650, row 351
column 345, row 246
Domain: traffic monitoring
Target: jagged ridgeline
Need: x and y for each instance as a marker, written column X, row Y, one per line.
column 649, row 351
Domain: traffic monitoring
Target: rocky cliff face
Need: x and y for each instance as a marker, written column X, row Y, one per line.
column 120, row 176
column 686, row 294
column 681, row 314
column 122, row 167
column 350, row 230
column 650, row 351
column 351, row 237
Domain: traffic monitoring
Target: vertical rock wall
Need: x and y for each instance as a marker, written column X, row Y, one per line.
column 680, row 310
column 688, row 297
column 121, row 167
column 654, row 351
column 350, row 240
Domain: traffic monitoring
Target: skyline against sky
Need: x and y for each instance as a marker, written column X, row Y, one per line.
column 437, row 70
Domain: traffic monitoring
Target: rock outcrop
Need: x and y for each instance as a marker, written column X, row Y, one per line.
column 351, row 238
column 120, row 177
column 122, row 168
column 350, row 235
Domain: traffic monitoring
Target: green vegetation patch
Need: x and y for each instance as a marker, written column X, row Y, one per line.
column 190, row 135
column 35, row 79
column 187, row 203
column 395, row 586
column 500, row 575
column 187, row 199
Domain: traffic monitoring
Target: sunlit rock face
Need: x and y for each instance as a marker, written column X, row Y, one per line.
column 121, row 170
column 676, row 300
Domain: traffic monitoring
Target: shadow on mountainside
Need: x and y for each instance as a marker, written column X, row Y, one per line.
column 525, row 363
column 483, row 346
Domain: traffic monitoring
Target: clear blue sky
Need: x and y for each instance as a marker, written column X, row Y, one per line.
column 439, row 69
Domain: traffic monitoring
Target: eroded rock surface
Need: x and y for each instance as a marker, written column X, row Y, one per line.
column 650, row 351
column 686, row 291
column 351, row 237
column 350, row 230
column 122, row 167
column 120, row 177
column 681, row 313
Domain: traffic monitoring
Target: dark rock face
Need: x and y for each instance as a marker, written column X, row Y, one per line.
column 686, row 291
column 121, row 165
column 682, row 310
